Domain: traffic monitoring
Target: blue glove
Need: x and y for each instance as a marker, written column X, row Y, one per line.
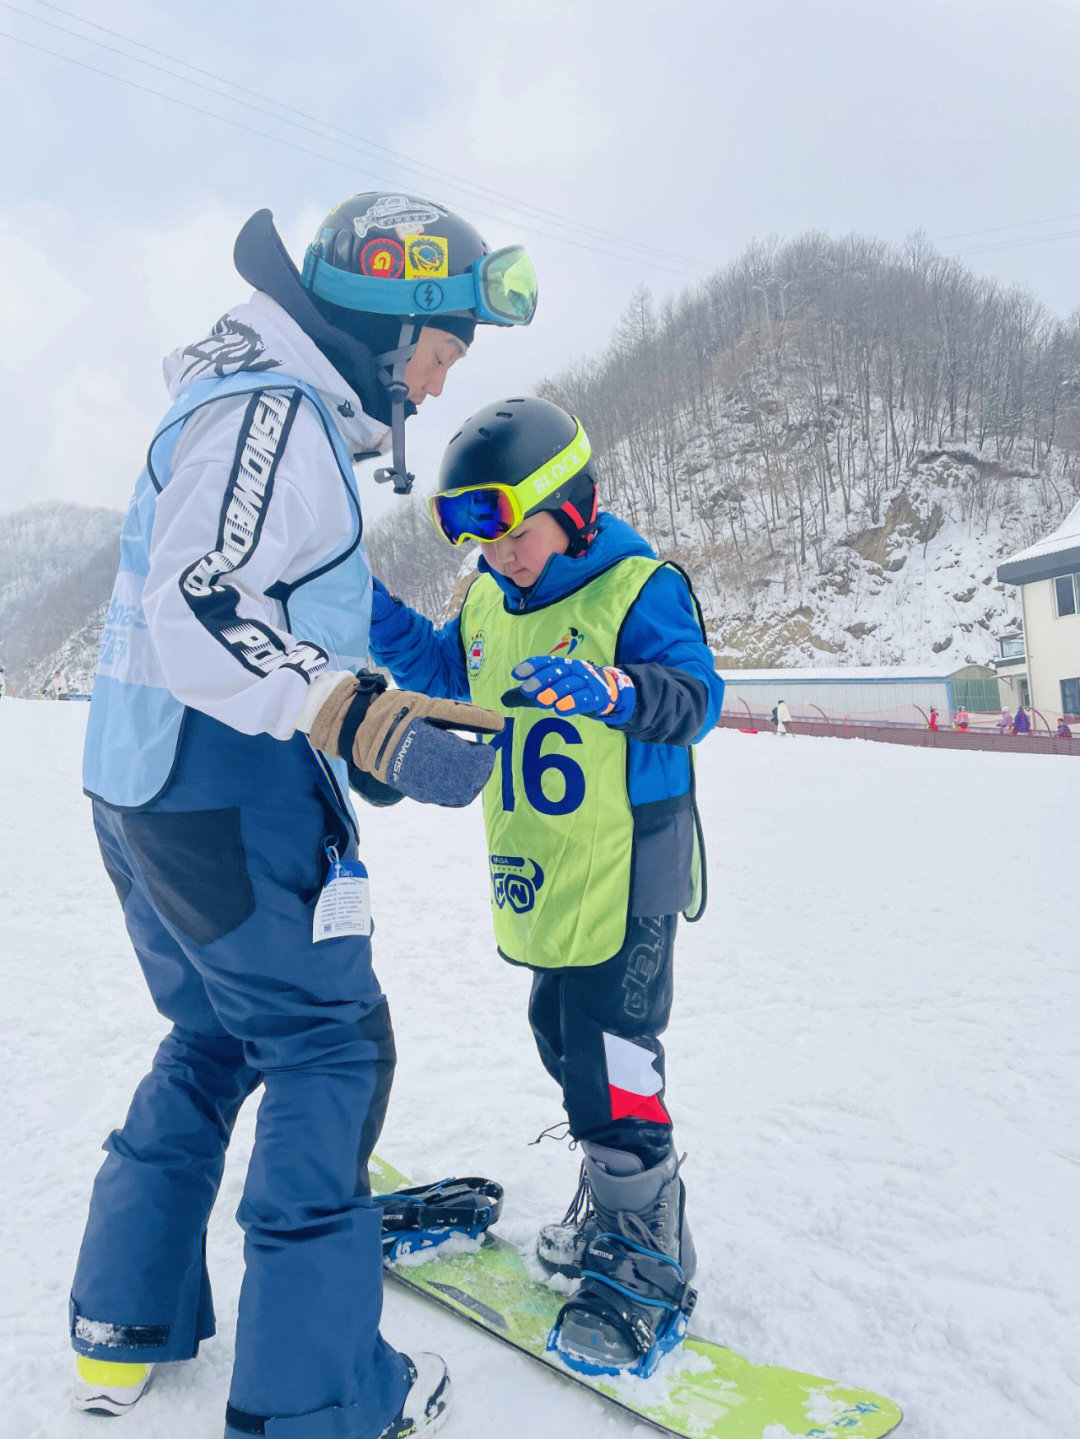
column 575, row 687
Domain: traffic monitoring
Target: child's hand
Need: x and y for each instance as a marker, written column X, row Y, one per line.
column 576, row 687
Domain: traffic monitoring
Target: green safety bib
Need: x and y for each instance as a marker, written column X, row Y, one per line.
column 559, row 824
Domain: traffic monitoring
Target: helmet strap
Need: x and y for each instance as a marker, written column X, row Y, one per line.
column 392, row 375
column 392, row 362
column 579, row 531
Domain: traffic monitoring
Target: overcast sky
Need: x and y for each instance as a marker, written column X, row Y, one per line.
column 625, row 144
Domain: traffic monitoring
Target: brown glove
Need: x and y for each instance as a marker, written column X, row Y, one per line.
column 401, row 738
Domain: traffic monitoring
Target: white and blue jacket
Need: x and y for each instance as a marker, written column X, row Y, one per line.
column 242, row 571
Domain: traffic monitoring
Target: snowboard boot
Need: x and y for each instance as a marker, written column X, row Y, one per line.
column 102, row 1387
column 426, row 1402
column 635, row 1297
column 559, row 1247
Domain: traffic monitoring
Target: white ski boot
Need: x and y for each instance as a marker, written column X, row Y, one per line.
column 426, row 1402
column 104, row 1387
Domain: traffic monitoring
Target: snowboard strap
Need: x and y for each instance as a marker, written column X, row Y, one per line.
column 624, row 1270
column 449, row 1206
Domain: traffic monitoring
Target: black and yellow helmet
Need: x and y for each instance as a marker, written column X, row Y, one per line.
column 513, row 459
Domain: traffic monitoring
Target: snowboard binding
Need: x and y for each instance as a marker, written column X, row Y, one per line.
column 428, row 1216
column 637, row 1296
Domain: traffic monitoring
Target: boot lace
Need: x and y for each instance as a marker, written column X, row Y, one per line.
column 646, row 1227
column 581, row 1206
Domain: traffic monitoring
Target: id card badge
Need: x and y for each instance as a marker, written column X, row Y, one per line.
column 344, row 906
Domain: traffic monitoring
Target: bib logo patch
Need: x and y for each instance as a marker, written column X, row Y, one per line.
column 512, row 884
column 474, row 658
column 568, row 644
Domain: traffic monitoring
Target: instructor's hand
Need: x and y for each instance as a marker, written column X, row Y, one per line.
column 405, row 739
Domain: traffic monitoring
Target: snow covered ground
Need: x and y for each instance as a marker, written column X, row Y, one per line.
column 873, row 1064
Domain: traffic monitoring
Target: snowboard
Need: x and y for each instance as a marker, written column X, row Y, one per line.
column 701, row 1391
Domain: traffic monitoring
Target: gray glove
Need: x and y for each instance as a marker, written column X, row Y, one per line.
column 405, row 739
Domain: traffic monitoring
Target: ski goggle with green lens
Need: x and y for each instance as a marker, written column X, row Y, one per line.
column 486, row 512
column 499, row 289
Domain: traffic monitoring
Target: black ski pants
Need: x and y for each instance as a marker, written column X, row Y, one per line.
column 597, row 1029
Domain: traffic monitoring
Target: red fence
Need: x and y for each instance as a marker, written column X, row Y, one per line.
column 893, row 733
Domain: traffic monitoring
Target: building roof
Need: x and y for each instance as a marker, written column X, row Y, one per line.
column 1055, row 554
column 845, row 674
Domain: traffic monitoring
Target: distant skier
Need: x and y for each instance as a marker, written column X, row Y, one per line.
column 3, row 683
column 56, row 687
column 781, row 717
column 1063, row 731
column 932, row 723
column 1004, row 724
column 231, row 713
column 961, row 720
column 595, row 652
column 1021, row 721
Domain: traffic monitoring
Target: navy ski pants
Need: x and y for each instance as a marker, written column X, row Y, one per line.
column 218, row 882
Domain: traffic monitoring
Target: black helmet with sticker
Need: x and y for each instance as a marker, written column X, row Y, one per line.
column 389, row 265
column 398, row 255
column 386, row 237
column 512, row 459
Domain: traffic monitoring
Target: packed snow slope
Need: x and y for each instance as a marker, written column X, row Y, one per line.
column 873, row 1063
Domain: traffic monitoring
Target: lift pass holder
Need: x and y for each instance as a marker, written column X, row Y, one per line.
column 344, row 905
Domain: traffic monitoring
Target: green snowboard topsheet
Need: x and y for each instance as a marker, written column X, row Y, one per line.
column 701, row 1391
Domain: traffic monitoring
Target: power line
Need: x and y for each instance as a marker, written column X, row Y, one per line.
column 997, row 229
column 1013, row 244
column 421, row 167
column 610, row 242
column 381, row 155
column 304, row 149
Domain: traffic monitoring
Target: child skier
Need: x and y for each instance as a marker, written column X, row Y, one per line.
column 595, row 652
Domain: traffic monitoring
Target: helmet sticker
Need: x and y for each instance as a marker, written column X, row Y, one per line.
column 396, row 212
column 382, row 259
column 426, row 257
column 475, row 658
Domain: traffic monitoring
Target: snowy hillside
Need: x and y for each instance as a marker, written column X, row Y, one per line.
column 787, row 577
column 917, row 586
column 873, row 1065
column 57, row 564
column 839, row 439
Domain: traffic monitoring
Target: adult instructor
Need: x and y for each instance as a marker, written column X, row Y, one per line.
column 231, row 714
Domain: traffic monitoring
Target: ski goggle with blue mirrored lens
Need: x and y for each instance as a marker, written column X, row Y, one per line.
column 499, row 289
column 486, row 512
